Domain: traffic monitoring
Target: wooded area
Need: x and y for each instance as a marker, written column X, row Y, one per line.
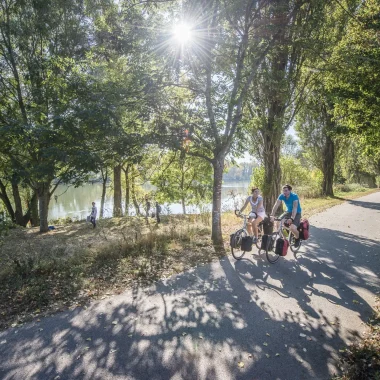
column 173, row 92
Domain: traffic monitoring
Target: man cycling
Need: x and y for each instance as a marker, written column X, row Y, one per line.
column 293, row 211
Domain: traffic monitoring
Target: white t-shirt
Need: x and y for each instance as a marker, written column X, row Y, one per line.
column 254, row 204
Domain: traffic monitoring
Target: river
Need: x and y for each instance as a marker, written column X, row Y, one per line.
column 68, row 201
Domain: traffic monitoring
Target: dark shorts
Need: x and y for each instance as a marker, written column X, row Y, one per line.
column 288, row 215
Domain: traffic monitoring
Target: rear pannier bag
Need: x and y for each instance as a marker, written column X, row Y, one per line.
column 304, row 229
column 235, row 240
column 246, row 244
column 282, row 246
column 267, row 226
column 267, row 240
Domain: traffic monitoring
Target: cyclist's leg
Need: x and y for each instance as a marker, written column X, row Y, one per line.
column 251, row 218
column 249, row 226
column 255, row 223
column 295, row 225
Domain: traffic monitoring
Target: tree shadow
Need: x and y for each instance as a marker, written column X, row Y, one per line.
column 283, row 321
column 371, row 205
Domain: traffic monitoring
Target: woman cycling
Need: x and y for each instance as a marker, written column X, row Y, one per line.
column 257, row 214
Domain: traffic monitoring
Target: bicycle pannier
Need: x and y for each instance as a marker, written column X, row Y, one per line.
column 234, row 240
column 246, row 244
column 282, row 246
column 267, row 241
column 304, row 229
column 267, row 226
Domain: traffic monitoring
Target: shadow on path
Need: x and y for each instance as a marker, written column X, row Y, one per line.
column 283, row 321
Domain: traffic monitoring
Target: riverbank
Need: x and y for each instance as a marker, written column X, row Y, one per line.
column 74, row 264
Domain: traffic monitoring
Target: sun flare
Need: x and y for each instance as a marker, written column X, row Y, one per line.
column 182, row 33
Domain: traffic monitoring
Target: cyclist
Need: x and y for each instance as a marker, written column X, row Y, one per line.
column 257, row 214
column 293, row 210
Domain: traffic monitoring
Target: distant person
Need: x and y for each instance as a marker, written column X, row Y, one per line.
column 56, row 198
column 147, row 206
column 158, row 211
column 94, row 212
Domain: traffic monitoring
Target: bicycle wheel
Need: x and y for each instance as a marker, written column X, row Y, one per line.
column 292, row 242
column 237, row 253
column 272, row 257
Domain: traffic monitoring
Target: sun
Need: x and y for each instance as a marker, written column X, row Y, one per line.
column 182, row 33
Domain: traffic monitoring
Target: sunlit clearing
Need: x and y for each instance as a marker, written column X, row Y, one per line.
column 182, row 33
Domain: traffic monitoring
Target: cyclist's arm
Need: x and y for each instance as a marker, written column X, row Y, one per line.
column 294, row 209
column 275, row 207
column 245, row 205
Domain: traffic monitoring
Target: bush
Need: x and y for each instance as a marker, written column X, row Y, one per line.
column 349, row 187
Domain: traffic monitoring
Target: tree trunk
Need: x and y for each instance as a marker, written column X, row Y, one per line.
column 328, row 167
column 117, row 208
column 43, row 205
column 272, row 177
column 127, row 189
column 328, row 152
column 183, row 190
column 216, row 231
column 18, row 205
column 133, row 192
column 104, row 188
column 7, row 203
column 183, row 206
column 33, row 211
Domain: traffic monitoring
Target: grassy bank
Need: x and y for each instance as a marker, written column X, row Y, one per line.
column 74, row 264
column 362, row 360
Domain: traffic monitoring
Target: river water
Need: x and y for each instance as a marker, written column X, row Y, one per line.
column 75, row 203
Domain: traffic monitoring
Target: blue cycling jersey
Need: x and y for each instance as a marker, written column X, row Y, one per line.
column 289, row 202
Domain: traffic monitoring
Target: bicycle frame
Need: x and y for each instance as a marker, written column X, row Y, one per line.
column 245, row 220
column 282, row 227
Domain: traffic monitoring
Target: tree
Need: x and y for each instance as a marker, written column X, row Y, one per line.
column 356, row 82
column 41, row 67
column 183, row 179
column 208, row 84
column 278, row 86
column 316, row 129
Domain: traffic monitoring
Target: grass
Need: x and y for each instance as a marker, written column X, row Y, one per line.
column 74, row 264
column 44, row 273
column 311, row 206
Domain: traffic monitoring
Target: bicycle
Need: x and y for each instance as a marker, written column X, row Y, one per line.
column 283, row 231
column 236, row 250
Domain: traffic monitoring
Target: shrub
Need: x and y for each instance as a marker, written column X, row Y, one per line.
column 348, row 187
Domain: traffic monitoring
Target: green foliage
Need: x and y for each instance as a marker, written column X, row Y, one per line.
column 184, row 179
column 355, row 82
column 258, row 177
column 350, row 187
column 305, row 181
column 356, row 166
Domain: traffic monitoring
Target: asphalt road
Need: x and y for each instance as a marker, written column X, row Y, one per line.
column 282, row 321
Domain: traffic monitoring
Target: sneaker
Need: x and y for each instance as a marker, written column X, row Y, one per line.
column 254, row 240
column 297, row 243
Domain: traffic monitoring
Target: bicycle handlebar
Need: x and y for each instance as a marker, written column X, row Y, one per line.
column 240, row 215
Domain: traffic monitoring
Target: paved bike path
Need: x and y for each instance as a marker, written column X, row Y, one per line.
column 281, row 321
